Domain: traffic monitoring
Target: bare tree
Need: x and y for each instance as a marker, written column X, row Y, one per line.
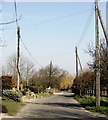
column 28, row 71
column 26, row 67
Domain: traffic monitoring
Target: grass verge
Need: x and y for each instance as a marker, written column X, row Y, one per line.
column 89, row 104
column 12, row 106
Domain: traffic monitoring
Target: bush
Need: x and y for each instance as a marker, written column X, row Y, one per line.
column 23, row 92
column 14, row 95
column 36, row 89
column 6, row 82
column 3, row 109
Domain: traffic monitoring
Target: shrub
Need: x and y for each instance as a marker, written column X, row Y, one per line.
column 3, row 109
column 23, row 92
column 14, row 95
column 6, row 82
column 36, row 89
column 28, row 93
column 88, row 100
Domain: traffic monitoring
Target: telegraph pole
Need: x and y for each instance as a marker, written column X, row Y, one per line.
column 102, row 24
column 80, row 63
column 97, row 56
column 77, row 73
column 107, row 16
column 18, row 58
column 76, row 51
column 50, row 73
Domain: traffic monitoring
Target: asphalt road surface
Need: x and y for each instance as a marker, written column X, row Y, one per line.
column 57, row 107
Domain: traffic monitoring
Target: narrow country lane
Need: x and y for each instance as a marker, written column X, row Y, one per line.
column 57, row 107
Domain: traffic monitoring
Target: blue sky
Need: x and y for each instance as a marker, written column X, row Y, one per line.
column 51, row 31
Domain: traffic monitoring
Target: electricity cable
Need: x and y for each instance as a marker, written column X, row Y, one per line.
column 56, row 19
column 51, row 20
column 85, row 30
column 30, row 53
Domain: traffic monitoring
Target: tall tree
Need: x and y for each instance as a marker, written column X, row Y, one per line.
column 103, row 62
column 26, row 67
column 85, row 81
column 53, row 78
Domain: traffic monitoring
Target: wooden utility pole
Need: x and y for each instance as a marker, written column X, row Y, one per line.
column 77, row 73
column 50, row 73
column 97, row 56
column 102, row 24
column 80, row 63
column 18, row 58
column 107, row 16
column 76, row 51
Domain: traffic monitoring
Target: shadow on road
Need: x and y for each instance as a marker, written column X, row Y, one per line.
column 59, row 104
column 44, row 119
column 68, row 95
column 51, row 119
column 69, row 105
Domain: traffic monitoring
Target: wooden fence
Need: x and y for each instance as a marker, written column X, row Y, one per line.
column 91, row 92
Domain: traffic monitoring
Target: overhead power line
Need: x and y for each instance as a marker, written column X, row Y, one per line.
column 51, row 20
column 57, row 54
column 57, row 18
column 86, row 28
column 41, row 56
column 30, row 53
column 6, row 23
column 20, row 36
column 13, row 21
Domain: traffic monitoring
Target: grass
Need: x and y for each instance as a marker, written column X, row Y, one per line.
column 12, row 106
column 101, row 109
column 89, row 104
